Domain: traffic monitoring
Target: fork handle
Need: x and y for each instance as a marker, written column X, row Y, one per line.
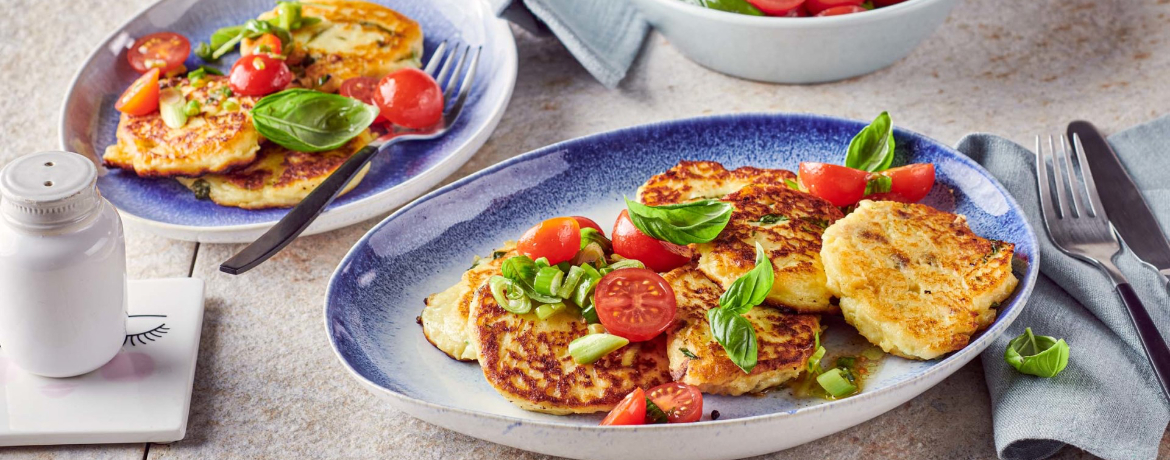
column 300, row 217
column 1155, row 347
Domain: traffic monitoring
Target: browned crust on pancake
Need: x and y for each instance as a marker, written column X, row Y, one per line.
column 675, row 185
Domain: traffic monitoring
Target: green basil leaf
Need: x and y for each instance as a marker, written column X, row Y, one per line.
column 1037, row 355
column 591, row 235
column 872, row 149
column 695, row 222
column 750, row 289
column 735, row 334
column 311, row 121
column 223, row 35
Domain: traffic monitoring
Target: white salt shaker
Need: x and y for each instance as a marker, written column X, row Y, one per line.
column 62, row 267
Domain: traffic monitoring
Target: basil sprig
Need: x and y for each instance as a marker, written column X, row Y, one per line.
column 1037, row 355
column 311, row 121
column 684, row 223
column 872, row 149
column 728, row 325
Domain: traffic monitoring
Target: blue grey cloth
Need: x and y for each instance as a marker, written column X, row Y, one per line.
column 604, row 35
column 1107, row 400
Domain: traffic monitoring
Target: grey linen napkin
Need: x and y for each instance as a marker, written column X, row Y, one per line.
column 1107, row 400
column 604, row 35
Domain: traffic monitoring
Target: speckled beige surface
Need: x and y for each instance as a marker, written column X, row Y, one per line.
column 267, row 385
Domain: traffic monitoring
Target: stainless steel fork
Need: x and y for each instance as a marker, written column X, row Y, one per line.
column 455, row 69
column 1078, row 225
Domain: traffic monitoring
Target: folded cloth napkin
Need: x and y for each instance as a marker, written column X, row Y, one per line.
column 1107, row 400
column 604, row 35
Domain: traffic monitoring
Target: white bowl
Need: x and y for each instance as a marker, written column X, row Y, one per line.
column 795, row 50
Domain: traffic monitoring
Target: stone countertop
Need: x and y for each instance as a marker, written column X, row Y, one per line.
column 267, row 385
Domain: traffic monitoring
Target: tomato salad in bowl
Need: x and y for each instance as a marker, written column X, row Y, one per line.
column 794, row 8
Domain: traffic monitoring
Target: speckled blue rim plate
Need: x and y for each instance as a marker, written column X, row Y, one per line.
column 377, row 291
column 164, row 207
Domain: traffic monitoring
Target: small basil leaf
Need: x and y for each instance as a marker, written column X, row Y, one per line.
column 872, row 149
column 591, row 235
column 750, row 289
column 695, row 222
column 1037, row 355
column 311, row 121
column 735, row 334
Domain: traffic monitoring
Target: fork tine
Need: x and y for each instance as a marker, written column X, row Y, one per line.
column 447, row 67
column 1042, row 182
column 1097, row 209
column 465, row 89
column 1058, row 174
column 1078, row 202
column 436, row 57
column 456, row 75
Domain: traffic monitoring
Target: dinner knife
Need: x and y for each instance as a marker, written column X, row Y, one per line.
column 1127, row 208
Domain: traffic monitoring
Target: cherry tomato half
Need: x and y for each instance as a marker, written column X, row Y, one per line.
column 885, row 3
column 776, row 7
column 556, row 239
column 839, row 185
column 267, row 44
column 840, row 10
column 635, row 303
column 259, row 75
column 410, row 98
column 586, row 222
column 162, row 50
column 908, row 184
column 630, row 411
column 631, row 243
column 682, row 403
column 141, row 97
column 362, row 89
column 817, row 6
column 798, row 12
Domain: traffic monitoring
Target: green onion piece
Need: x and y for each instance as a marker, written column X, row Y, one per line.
column 814, row 362
column 171, row 107
column 591, row 272
column 596, row 328
column 589, row 254
column 231, row 105
column 846, row 362
column 203, row 50
column 192, row 108
column 565, row 266
column 627, row 263
column 544, row 311
column 584, row 290
column 541, row 263
column 606, row 270
column 287, row 14
column 505, row 292
column 519, row 268
column 834, row 382
column 654, row 414
column 590, row 314
column 548, row 281
column 591, row 235
column 590, row 348
column 569, row 284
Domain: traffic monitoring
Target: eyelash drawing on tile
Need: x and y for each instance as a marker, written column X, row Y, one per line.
column 147, row 334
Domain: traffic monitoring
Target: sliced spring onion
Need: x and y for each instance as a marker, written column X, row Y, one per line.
column 548, row 281
column 569, row 284
column 590, row 348
column 231, row 105
column 541, row 263
column 833, row 381
column 814, row 361
column 583, row 296
column 606, row 270
column 565, row 266
column 193, row 108
column 519, row 268
column 627, row 263
column 590, row 314
column 509, row 295
column 172, row 106
column 546, row 310
column 596, row 328
column 589, row 254
column 591, row 272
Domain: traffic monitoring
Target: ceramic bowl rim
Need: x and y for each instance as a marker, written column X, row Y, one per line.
column 813, row 22
column 962, row 357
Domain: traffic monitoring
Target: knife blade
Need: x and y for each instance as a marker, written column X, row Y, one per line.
column 1127, row 208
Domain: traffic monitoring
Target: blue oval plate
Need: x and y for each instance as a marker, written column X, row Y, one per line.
column 378, row 290
column 165, row 207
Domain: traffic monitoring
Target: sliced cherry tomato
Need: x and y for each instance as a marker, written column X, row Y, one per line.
column 410, row 98
column 840, row 10
column 162, row 50
column 556, row 239
column 362, row 89
column 259, row 75
column 635, row 303
column 885, row 3
column 798, row 12
column 911, row 183
column 682, row 403
column 631, row 243
column 839, row 185
column 267, row 44
column 776, row 7
column 141, row 97
column 817, row 6
column 586, row 222
column 631, row 411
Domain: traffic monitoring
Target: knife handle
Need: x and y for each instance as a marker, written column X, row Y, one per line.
column 1152, row 342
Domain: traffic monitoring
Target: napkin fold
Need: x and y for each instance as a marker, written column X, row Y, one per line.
column 604, row 35
column 1107, row 401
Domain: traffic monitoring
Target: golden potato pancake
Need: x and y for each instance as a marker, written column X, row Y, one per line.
column 696, row 180
column 353, row 39
column 788, row 225
column 914, row 280
column 785, row 341
column 280, row 177
column 527, row 361
column 214, row 141
column 444, row 319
